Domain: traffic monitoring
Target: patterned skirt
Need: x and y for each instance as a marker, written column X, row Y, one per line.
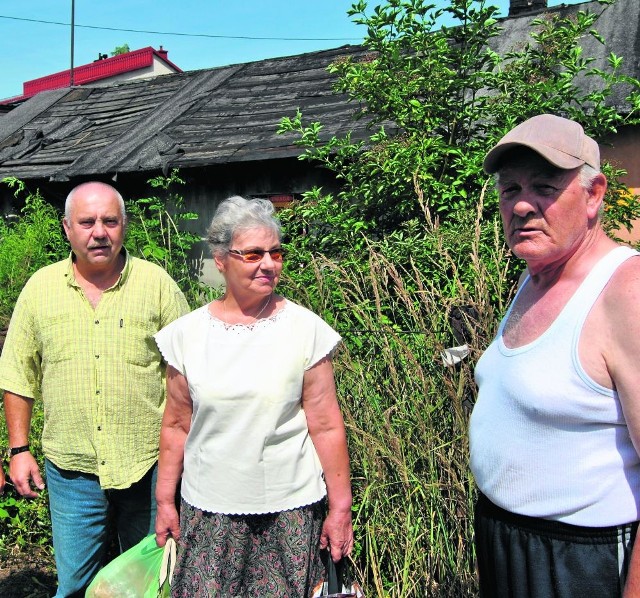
column 248, row 556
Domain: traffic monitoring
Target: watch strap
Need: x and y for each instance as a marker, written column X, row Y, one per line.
column 18, row 449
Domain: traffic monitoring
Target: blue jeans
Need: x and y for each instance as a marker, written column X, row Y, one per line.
column 80, row 516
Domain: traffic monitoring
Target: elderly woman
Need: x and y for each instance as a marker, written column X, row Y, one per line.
column 252, row 427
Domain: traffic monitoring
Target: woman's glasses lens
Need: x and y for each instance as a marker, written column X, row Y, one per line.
column 256, row 255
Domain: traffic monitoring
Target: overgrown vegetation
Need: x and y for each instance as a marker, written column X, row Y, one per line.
column 436, row 100
column 413, row 240
column 155, row 233
column 28, row 241
column 406, row 413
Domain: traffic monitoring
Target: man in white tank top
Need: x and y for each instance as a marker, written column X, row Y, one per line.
column 555, row 432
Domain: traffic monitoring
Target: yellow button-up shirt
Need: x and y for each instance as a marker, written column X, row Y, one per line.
column 98, row 371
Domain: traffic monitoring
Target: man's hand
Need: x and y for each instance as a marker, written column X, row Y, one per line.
column 25, row 475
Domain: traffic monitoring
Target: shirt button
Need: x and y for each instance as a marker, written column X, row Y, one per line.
column 99, row 428
column 97, row 322
column 103, row 462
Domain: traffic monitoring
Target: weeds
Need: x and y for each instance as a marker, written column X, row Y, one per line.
column 406, row 413
column 155, row 232
column 25, row 523
column 28, row 241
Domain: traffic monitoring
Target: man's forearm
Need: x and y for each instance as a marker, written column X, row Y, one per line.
column 18, row 410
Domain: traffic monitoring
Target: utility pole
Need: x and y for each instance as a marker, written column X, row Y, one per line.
column 73, row 13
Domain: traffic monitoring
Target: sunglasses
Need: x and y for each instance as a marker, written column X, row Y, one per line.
column 253, row 256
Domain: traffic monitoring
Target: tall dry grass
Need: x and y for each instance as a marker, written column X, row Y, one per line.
column 406, row 412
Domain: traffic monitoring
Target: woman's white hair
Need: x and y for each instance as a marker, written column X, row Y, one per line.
column 236, row 214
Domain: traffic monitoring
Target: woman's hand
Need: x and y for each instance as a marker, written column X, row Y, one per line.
column 337, row 534
column 167, row 523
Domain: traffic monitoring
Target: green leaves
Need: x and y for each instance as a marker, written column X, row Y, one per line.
column 438, row 97
column 157, row 231
column 28, row 240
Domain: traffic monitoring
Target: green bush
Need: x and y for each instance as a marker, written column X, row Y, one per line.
column 437, row 98
column 25, row 523
column 28, row 241
column 155, row 233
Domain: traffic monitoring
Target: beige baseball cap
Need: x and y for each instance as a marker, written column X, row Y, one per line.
column 560, row 141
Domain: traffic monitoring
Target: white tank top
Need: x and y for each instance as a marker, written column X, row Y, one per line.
column 546, row 440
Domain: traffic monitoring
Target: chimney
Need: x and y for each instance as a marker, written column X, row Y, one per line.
column 521, row 7
column 163, row 52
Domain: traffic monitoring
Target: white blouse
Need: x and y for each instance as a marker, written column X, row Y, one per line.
column 248, row 450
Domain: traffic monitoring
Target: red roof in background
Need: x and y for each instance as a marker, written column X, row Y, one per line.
column 95, row 71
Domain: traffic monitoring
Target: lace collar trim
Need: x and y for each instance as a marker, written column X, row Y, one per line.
column 258, row 324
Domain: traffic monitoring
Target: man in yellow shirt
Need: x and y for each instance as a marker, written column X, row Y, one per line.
column 81, row 341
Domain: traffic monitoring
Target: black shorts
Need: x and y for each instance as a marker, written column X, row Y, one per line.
column 528, row 557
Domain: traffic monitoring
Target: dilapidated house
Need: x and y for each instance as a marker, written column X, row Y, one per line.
column 218, row 126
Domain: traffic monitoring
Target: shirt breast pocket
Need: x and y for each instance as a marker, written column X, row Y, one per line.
column 136, row 341
column 60, row 340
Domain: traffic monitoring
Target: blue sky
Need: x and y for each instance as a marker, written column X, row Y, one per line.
column 35, row 34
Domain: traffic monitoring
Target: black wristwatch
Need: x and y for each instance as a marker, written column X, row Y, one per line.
column 17, row 450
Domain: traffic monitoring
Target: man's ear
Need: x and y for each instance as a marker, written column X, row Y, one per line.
column 65, row 225
column 596, row 195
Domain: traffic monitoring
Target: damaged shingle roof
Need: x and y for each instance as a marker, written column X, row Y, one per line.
column 227, row 114
column 196, row 118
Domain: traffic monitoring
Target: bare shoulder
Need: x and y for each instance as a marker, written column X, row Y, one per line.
column 622, row 295
column 617, row 311
column 615, row 317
